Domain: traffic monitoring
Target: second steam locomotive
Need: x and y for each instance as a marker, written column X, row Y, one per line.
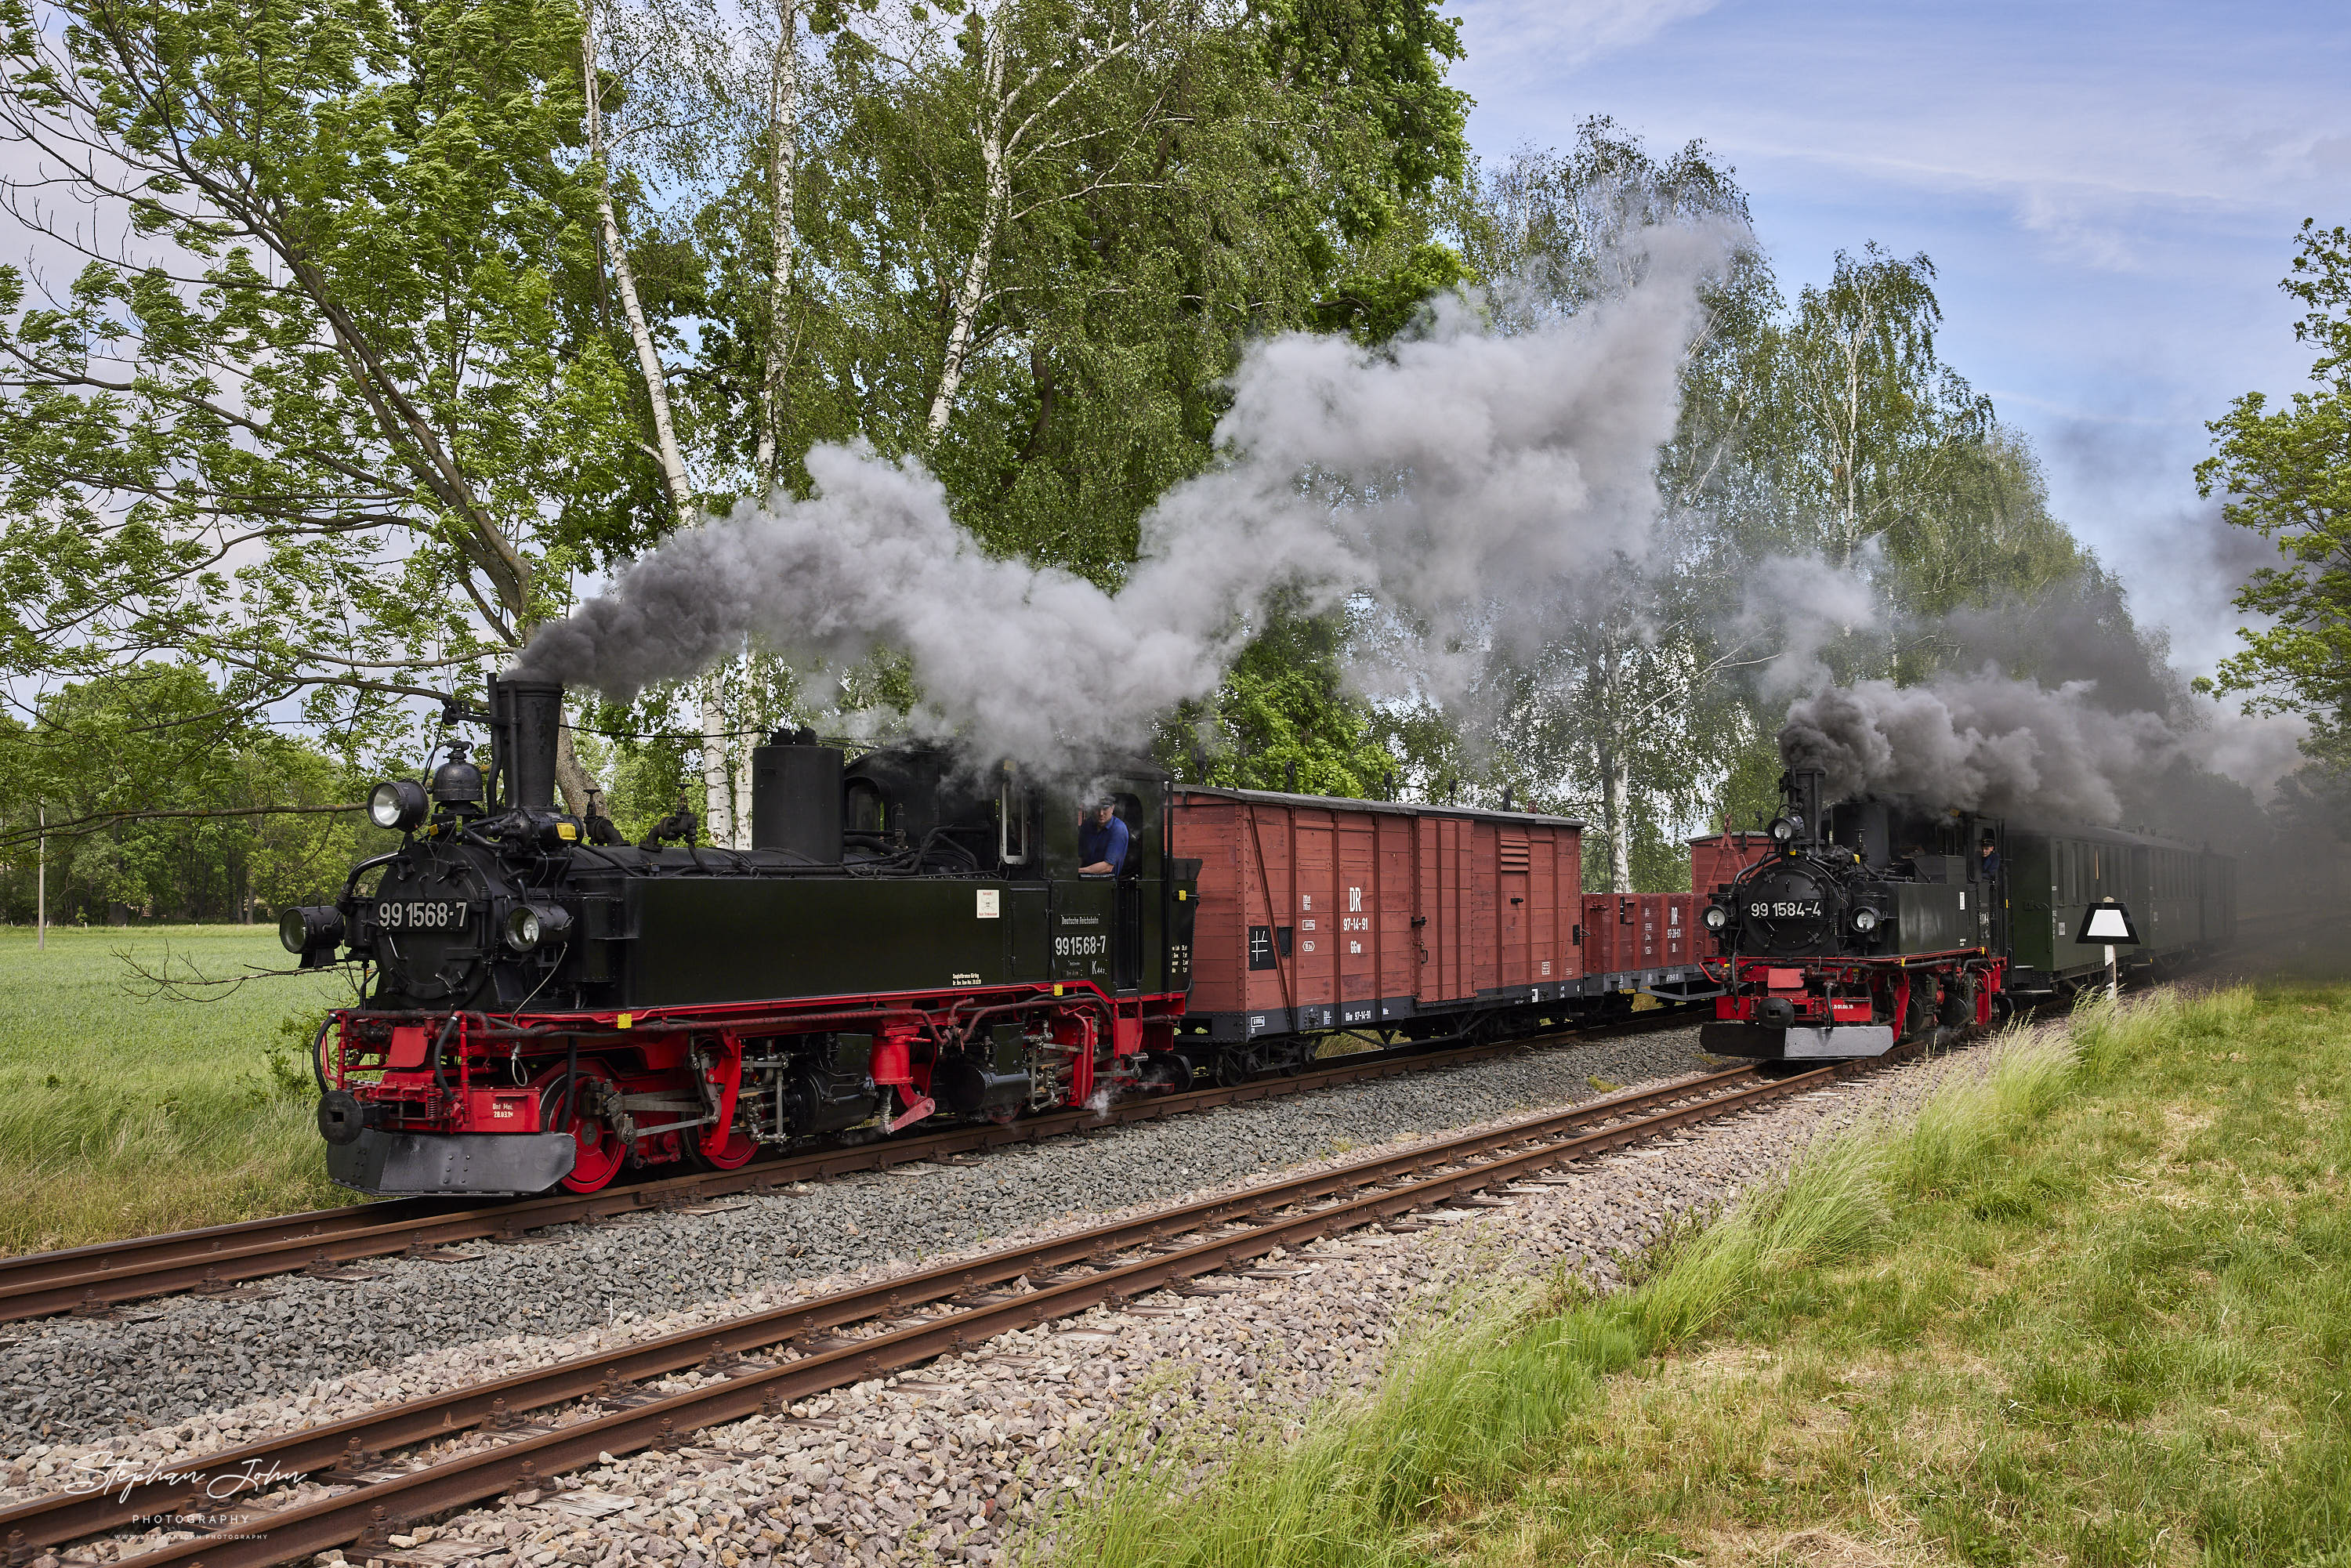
column 1868, row 922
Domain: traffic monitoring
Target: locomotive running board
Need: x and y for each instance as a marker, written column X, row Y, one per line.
column 1838, row 1042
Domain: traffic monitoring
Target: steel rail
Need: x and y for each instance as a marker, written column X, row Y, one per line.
column 380, row 1500
column 93, row 1279
column 350, row 1443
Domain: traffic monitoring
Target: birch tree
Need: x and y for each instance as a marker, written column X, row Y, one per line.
column 1605, row 714
column 1878, row 420
column 646, row 75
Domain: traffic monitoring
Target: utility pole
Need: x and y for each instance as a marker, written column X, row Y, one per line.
column 41, row 888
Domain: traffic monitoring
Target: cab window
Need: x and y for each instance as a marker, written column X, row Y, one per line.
column 866, row 810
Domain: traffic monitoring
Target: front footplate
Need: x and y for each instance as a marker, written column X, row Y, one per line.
column 1796, row 1042
column 406, row 1165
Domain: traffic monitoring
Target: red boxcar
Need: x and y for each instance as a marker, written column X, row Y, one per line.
column 1717, row 860
column 1323, row 913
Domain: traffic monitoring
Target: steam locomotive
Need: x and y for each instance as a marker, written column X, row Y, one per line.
column 547, row 1004
column 1872, row 922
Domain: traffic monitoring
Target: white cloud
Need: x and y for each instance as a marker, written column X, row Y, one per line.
column 1552, row 36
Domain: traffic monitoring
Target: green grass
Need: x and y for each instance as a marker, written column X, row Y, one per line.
column 122, row 1116
column 2093, row 1308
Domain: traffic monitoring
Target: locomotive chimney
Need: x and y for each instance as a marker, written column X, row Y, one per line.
column 1805, row 796
column 796, row 797
column 528, row 715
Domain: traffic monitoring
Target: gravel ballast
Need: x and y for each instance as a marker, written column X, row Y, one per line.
column 959, row 1460
column 69, row 1380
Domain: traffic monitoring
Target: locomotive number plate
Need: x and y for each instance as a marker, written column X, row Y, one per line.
column 422, row 914
column 1786, row 909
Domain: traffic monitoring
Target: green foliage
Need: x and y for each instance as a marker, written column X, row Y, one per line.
column 1874, row 427
column 2287, row 475
column 1983, row 534
column 1193, row 178
column 1375, row 306
column 101, row 753
column 1283, row 719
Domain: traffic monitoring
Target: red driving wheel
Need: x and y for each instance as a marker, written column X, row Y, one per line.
column 601, row 1153
column 733, row 1154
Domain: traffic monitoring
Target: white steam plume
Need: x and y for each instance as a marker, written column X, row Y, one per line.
column 1455, row 476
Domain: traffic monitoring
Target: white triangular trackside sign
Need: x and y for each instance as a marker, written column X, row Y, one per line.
column 2107, row 925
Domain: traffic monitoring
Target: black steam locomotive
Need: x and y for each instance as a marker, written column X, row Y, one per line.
column 1872, row 922
column 547, row 1004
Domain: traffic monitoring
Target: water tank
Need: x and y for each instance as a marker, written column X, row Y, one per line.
column 796, row 797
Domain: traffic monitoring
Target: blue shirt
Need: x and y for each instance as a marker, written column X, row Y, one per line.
column 1105, row 843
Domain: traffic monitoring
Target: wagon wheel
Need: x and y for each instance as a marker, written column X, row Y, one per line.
column 600, row 1154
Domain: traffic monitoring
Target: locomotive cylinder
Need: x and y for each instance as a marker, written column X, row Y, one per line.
column 530, row 716
column 795, row 797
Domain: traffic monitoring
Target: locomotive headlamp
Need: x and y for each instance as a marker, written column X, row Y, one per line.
column 310, row 931
column 398, row 805
column 1782, row 830
column 1865, row 920
column 1716, row 917
column 530, row 925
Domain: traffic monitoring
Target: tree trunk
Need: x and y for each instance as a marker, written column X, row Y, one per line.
column 624, row 282
column 717, row 783
column 783, row 173
column 995, row 199
column 743, row 746
column 572, row 778
column 657, row 379
column 1616, row 808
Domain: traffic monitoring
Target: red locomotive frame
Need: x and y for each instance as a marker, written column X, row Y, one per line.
column 472, row 1072
column 1824, row 992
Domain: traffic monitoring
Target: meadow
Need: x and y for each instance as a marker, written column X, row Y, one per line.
column 124, row 1113
column 2091, row 1306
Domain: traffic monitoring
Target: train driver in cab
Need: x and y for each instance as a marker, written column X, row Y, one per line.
column 1989, row 853
column 1101, row 841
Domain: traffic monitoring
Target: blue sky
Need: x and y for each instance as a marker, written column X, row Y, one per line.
column 2108, row 192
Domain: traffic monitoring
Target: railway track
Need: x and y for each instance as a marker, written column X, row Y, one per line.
column 92, row 1281
column 516, row 1433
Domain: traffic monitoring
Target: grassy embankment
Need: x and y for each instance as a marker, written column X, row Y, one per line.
column 121, row 1115
column 2093, row 1308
